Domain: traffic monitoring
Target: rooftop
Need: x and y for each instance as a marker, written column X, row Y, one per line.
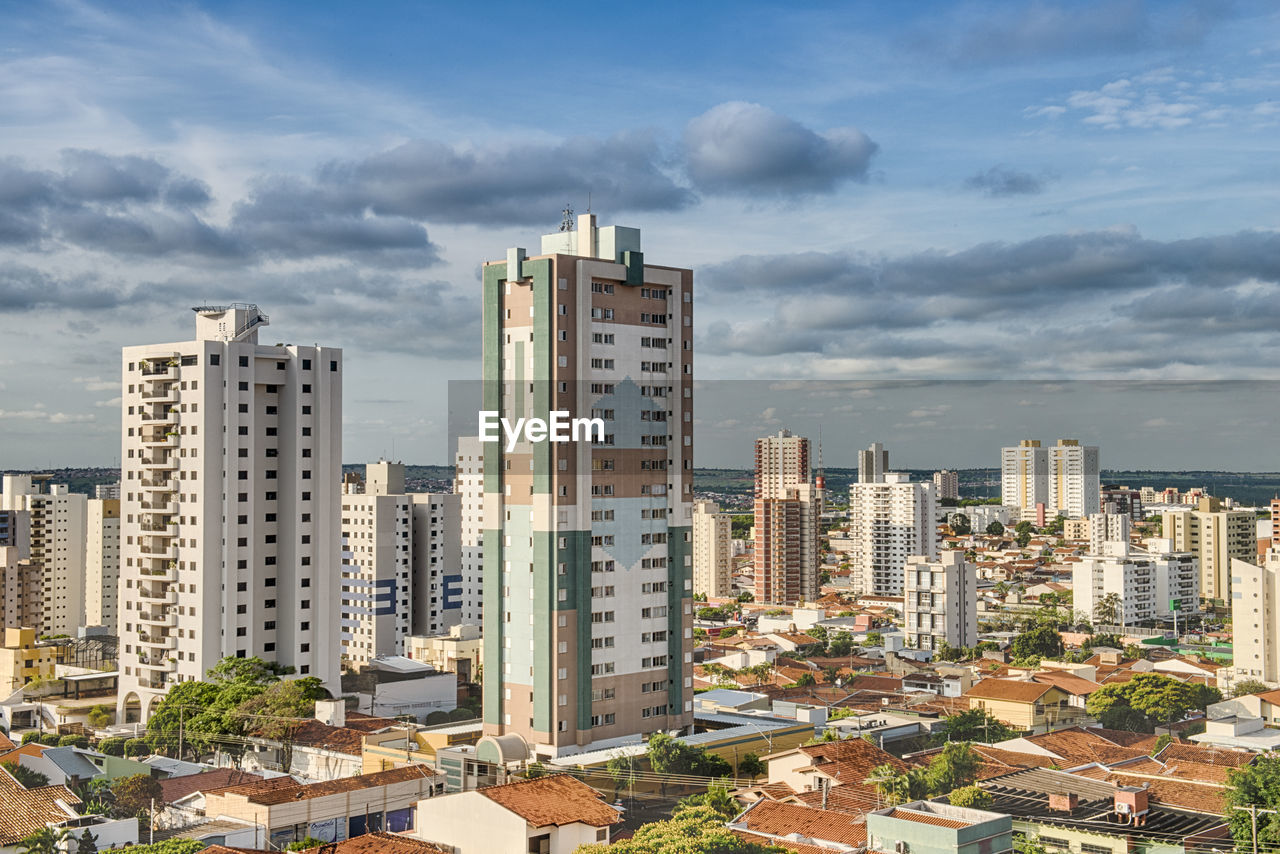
column 282, row 790
column 554, row 800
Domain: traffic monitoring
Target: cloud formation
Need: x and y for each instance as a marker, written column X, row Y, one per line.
column 1000, row 180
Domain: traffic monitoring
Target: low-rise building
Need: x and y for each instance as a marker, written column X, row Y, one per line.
column 461, row 651
column 928, row 827
column 1024, row 704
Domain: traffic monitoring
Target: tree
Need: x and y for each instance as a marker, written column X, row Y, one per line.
column 87, row 844
column 133, row 795
column 1107, row 611
column 170, row 846
column 28, row 737
column 751, row 766
column 899, row 787
column 961, row 525
column 955, row 767
column 81, row 741
column 995, row 529
column 1023, row 844
column 830, row 674
column 534, row 770
column 100, row 716
column 1042, row 641
column 697, row 830
column 46, row 840
column 304, row 844
column 841, row 644
column 1157, row 700
column 1248, row 686
column 1022, row 539
column 716, row 797
column 974, row 797
column 805, row 680
column 622, row 769
column 27, row 778
column 873, row 639
column 975, row 725
column 1255, row 785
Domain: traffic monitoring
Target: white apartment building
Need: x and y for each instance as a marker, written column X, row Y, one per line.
column 55, row 523
column 468, row 484
column 1147, row 582
column 947, row 483
column 873, row 463
column 940, row 601
column 1107, row 528
column 230, row 525
column 788, row 510
column 377, row 548
column 438, row 598
column 102, row 562
column 889, row 522
column 712, row 550
column 1062, row 480
column 1255, row 620
column 1216, row 536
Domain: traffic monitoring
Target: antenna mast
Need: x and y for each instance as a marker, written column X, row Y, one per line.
column 566, row 221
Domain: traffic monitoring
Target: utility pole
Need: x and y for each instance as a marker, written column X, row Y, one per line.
column 181, row 716
column 1253, row 811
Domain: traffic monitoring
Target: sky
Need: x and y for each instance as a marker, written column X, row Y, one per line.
column 869, row 193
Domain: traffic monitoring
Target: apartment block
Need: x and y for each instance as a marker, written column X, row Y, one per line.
column 230, row 506
column 940, row 601
column 947, row 483
column 1060, row 480
column 1024, row 478
column 889, row 522
column 1216, row 537
column 54, row 519
column 468, row 484
column 439, row 597
column 377, row 547
column 712, row 550
column 873, row 463
column 587, row 550
column 1255, row 619
column 21, row 587
column 788, row 509
column 1147, row 582
column 102, row 562
column 1106, row 528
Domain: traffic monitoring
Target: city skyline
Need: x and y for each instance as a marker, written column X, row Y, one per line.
column 160, row 158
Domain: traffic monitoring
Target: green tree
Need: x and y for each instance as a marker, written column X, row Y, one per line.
column 716, row 797
column 27, row 778
column 81, row 741
column 534, row 770
column 805, row 680
column 100, row 716
column 622, row 770
column 956, row 766
column 1157, row 700
column 28, row 737
column 873, row 639
column 751, row 766
column 1248, row 686
column 1255, row 785
column 974, row 797
column 697, row 830
column 133, row 795
column 1023, row 844
column 975, row 725
column 304, row 844
column 1042, row 641
column 136, row 746
column 46, row 840
column 87, row 844
column 170, row 846
column 1107, row 611
column 995, row 529
column 841, row 644
column 899, row 787
column 961, row 525
column 49, row 738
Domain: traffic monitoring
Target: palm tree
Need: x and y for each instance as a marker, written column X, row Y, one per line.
column 899, row 787
column 46, row 840
column 1107, row 611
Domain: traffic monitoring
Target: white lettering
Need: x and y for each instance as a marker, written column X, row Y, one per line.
column 589, row 426
column 489, row 421
column 492, row 427
column 513, row 433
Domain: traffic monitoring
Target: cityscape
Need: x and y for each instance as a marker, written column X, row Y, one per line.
column 945, row 525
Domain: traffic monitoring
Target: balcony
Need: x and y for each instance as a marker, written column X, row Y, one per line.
column 157, row 439
column 167, row 619
column 160, row 530
column 159, row 484
column 157, row 662
column 159, row 507
column 159, row 462
column 163, row 597
column 160, row 571
column 162, row 394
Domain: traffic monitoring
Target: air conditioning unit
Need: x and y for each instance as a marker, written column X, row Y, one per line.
column 901, row 847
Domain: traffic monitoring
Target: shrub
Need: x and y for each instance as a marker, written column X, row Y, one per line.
column 112, row 746
column 135, row 747
column 81, row 741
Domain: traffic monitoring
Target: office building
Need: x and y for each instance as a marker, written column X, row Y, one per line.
column 439, row 598
column 53, row 520
column 230, row 506
column 102, row 563
column 712, row 550
column 873, row 463
column 940, row 601
column 377, row 547
column 587, row 549
column 1061, row 480
column 788, row 509
column 1255, row 620
column 21, row 588
column 889, row 522
column 947, row 483
column 1146, row 582
column 1216, row 537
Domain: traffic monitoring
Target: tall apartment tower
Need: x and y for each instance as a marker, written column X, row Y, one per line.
column 230, row 506
column 1024, row 478
column 437, row 563
column 1256, row 630
column 712, row 550
column 21, row 593
column 872, row 464
column 947, row 484
column 1075, row 486
column 940, row 601
column 53, row 522
column 788, row 509
column 377, row 546
column 102, row 562
column 1107, row 528
column 588, row 573
column 1216, row 537
column 889, row 522
column 468, row 485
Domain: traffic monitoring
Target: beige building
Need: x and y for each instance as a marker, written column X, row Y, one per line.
column 1060, row 480
column 56, row 518
column 461, row 651
column 889, row 522
column 377, row 547
column 712, row 550
column 947, row 483
column 940, row 601
column 788, row 509
column 21, row 660
column 1216, row 537
column 1255, row 620
column 468, row 485
column 102, row 562
column 22, row 590
column 230, row 506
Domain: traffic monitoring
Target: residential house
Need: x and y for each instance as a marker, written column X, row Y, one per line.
column 928, row 827
column 800, row 828
column 846, row 764
column 24, row 811
column 1025, row 704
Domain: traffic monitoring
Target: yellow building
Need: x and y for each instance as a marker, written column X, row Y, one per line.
column 396, row 749
column 1023, row 704
column 21, row 660
column 1216, row 537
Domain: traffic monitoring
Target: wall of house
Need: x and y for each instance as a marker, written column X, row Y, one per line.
column 471, row 824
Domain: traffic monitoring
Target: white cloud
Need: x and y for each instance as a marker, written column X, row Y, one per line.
column 40, row 414
column 97, row 384
column 113, row 402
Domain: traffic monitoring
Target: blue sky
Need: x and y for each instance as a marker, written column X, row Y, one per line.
column 867, row 191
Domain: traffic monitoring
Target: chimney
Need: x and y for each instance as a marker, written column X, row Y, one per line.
column 1063, row 801
column 1132, row 804
column 332, row 712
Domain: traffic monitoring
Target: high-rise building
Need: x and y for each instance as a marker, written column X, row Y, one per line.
column 1106, row 528
column 1146, row 582
column 468, row 484
column 940, row 601
column 439, row 598
column 788, row 509
column 1061, row 480
column 1122, row 499
column 102, row 563
column 947, row 483
column 889, row 522
column 230, row 506
column 588, row 573
column 1256, row 626
column 107, row 491
column 1216, row 537
column 712, row 550
column 54, row 520
column 21, row 590
column 377, row 547
column 872, row 464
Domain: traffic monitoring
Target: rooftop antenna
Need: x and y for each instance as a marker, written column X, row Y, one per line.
column 566, row 221
column 588, row 201
column 821, row 480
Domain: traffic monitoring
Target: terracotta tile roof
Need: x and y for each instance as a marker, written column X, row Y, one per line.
column 1069, row 682
column 1093, row 772
column 280, row 790
column 765, row 841
column 554, row 800
column 1198, row 797
column 1198, row 772
column 340, row 739
column 1272, row 697
column 1124, row 738
column 177, row 788
column 997, row 761
column 927, row 818
column 851, row 750
column 5, row 744
column 1204, row 755
column 779, row 819
column 24, row 811
column 1140, row 765
column 1009, row 690
column 853, row 799
column 223, row 849
column 874, row 683
column 379, row 843
column 1078, row 746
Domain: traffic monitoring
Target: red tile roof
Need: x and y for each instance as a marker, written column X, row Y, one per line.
column 280, row 790
column 5, row 744
column 379, row 843
column 24, row 811
column 1009, row 690
column 177, row 788
column 554, row 800
column 927, row 818
column 778, row 819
